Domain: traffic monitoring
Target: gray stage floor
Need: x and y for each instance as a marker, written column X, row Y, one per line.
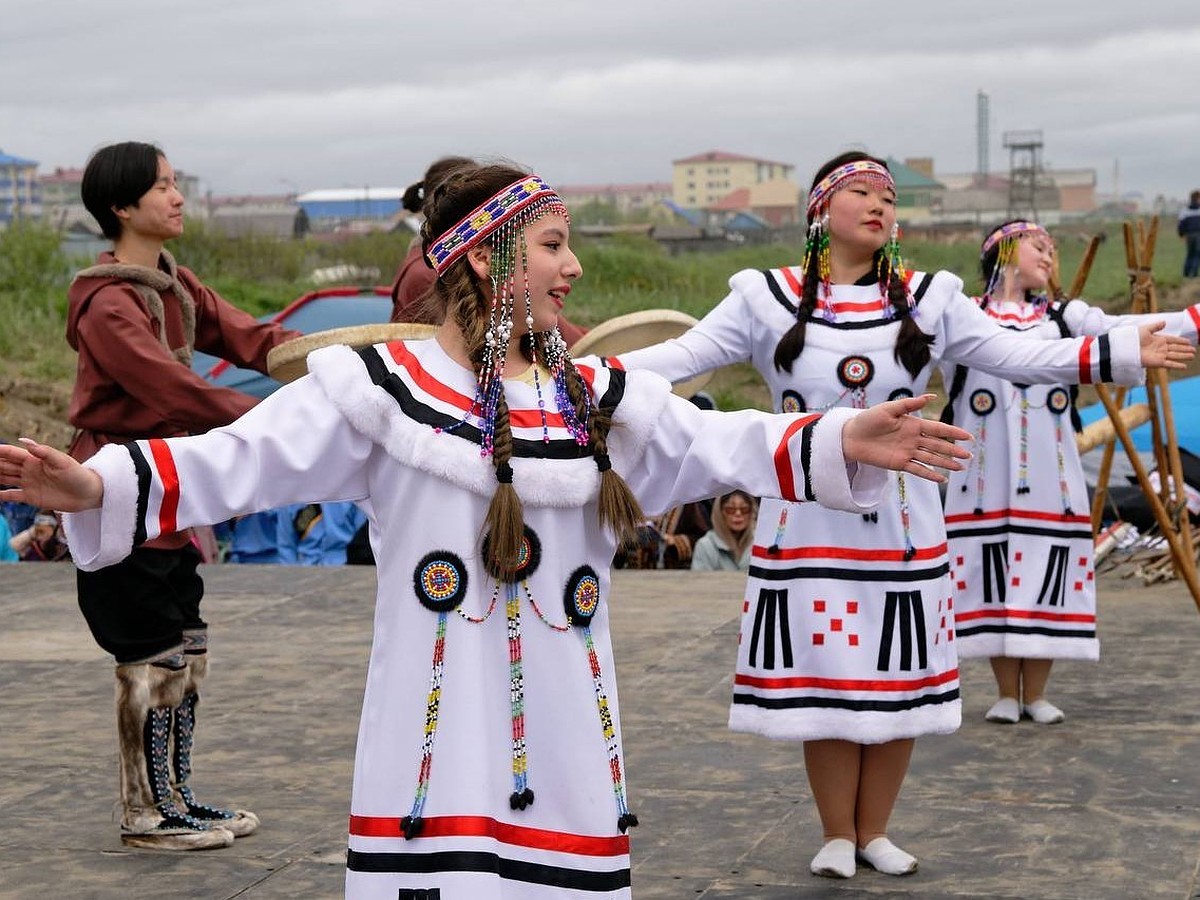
column 1105, row 805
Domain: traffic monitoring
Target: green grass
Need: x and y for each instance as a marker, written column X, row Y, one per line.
column 622, row 275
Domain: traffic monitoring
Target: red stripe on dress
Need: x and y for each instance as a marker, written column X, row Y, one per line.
column 846, row 553
column 783, row 459
column 485, row 827
column 1085, row 361
column 1194, row 312
column 848, row 684
column 1022, row 614
column 518, row 418
column 169, row 476
column 1017, row 514
column 792, row 281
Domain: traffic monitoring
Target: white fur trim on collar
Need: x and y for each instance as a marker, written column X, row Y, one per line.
column 540, row 482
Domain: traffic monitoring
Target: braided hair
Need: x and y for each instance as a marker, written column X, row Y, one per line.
column 466, row 299
column 912, row 344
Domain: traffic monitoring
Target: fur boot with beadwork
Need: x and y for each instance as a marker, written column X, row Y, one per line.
column 146, row 698
column 240, row 822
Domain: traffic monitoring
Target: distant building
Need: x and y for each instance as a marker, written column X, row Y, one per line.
column 626, row 199
column 365, row 208
column 20, row 193
column 728, row 186
column 918, row 193
column 277, row 216
column 1062, row 194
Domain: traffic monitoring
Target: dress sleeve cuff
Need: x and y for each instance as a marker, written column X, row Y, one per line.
column 837, row 482
column 104, row 536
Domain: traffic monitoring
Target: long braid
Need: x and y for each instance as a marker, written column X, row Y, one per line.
column 505, row 522
column 912, row 344
column 792, row 342
column 617, row 507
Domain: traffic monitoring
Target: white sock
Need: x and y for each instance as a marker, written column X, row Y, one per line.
column 1005, row 710
column 1044, row 712
column 884, row 856
column 836, row 859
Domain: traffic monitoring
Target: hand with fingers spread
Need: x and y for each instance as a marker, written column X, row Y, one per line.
column 1164, row 351
column 47, row 478
column 890, row 436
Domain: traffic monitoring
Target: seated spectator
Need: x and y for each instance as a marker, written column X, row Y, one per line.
column 727, row 546
column 250, row 539
column 7, row 553
column 42, row 541
column 317, row 534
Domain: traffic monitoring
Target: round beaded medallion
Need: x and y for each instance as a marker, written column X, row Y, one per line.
column 440, row 579
column 983, row 402
column 528, row 556
column 582, row 596
column 1058, row 400
column 792, row 402
column 855, row 371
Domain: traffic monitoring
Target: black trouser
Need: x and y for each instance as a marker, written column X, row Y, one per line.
column 139, row 608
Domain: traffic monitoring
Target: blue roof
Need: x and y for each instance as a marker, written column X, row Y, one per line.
column 691, row 216
column 8, row 160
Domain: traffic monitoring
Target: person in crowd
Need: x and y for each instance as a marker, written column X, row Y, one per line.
column 1189, row 229
column 1018, row 520
column 498, row 476
column 846, row 636
column 135, row 318
column 317, row 534
column 42, row 541
column 727, row 546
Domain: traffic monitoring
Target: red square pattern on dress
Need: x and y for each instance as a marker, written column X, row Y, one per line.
column 851, row 607
column 958, row 560
column 818, row 606
column 1083, row 561
column 835, row 624
column 818, row 639
column 745, row 606
column 853, row 640
column 1017, row 556
column 1016, row 582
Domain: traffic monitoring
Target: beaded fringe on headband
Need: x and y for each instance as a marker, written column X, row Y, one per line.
column 1007, row 237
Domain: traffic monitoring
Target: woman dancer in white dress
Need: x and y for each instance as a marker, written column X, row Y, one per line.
column 847, row 629
column 1018, row 523
column 496, row 494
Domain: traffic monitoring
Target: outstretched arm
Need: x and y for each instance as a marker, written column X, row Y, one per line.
column 47, row 478
column 893, row 435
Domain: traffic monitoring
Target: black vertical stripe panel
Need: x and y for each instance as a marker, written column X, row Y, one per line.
column 806, row 458
column 1105, row 358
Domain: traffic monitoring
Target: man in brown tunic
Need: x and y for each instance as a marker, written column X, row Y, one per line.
column 135, row 319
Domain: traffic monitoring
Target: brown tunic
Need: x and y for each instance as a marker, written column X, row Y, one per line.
column 134, row 378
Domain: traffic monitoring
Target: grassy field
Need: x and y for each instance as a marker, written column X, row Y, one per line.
column 621, row 275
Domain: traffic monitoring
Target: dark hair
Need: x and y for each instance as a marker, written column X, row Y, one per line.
column 1194, row 197
column 417, row 193
column 912, row 344
column 466, row 301
column 117, row 176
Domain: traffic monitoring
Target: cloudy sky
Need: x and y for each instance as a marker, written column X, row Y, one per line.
column 267, row 96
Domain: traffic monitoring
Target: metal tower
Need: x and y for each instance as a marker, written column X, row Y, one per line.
column 1024, row 172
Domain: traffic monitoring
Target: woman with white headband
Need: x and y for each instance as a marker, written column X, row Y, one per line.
column 847, row 631
column 489, row 759
column 1018, row 519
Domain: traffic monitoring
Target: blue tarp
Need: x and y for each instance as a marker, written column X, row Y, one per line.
column 1185, row 403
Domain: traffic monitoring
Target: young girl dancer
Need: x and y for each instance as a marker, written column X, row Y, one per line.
column 497, row 476
column 847, row 628
column 1018, row 523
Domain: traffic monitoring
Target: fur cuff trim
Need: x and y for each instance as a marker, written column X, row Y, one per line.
column 839, row 483
column 104, row 536
column 845, row 725
column 373, row 413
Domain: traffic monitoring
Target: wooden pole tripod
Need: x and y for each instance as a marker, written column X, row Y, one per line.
column 1168, row 503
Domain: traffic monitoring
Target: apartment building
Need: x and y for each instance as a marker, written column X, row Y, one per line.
column 20, row 193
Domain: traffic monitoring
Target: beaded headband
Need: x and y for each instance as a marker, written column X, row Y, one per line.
column 859, row 170
column 1012, row 229
column 489, row 216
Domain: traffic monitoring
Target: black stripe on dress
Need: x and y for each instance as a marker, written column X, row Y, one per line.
column 813, row 702
column 1065, row 531
column 832, row 572
column 1105, row 359
column 777, row 290
column 143, row 471
column 488, row 864
column 414, row 409
column 806, row 459
column 960, row 631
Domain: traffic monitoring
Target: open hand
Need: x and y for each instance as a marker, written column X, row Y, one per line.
column 888, row 436
column 1163, row 351
column 47, row 478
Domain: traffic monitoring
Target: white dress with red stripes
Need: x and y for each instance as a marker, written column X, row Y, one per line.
column 489, row 727
column 1018, row 518
column 847, row 627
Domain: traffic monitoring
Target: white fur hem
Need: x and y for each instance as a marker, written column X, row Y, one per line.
column 834, row 486
column 1023, row 646
column 104, row 536
column 845, row 725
